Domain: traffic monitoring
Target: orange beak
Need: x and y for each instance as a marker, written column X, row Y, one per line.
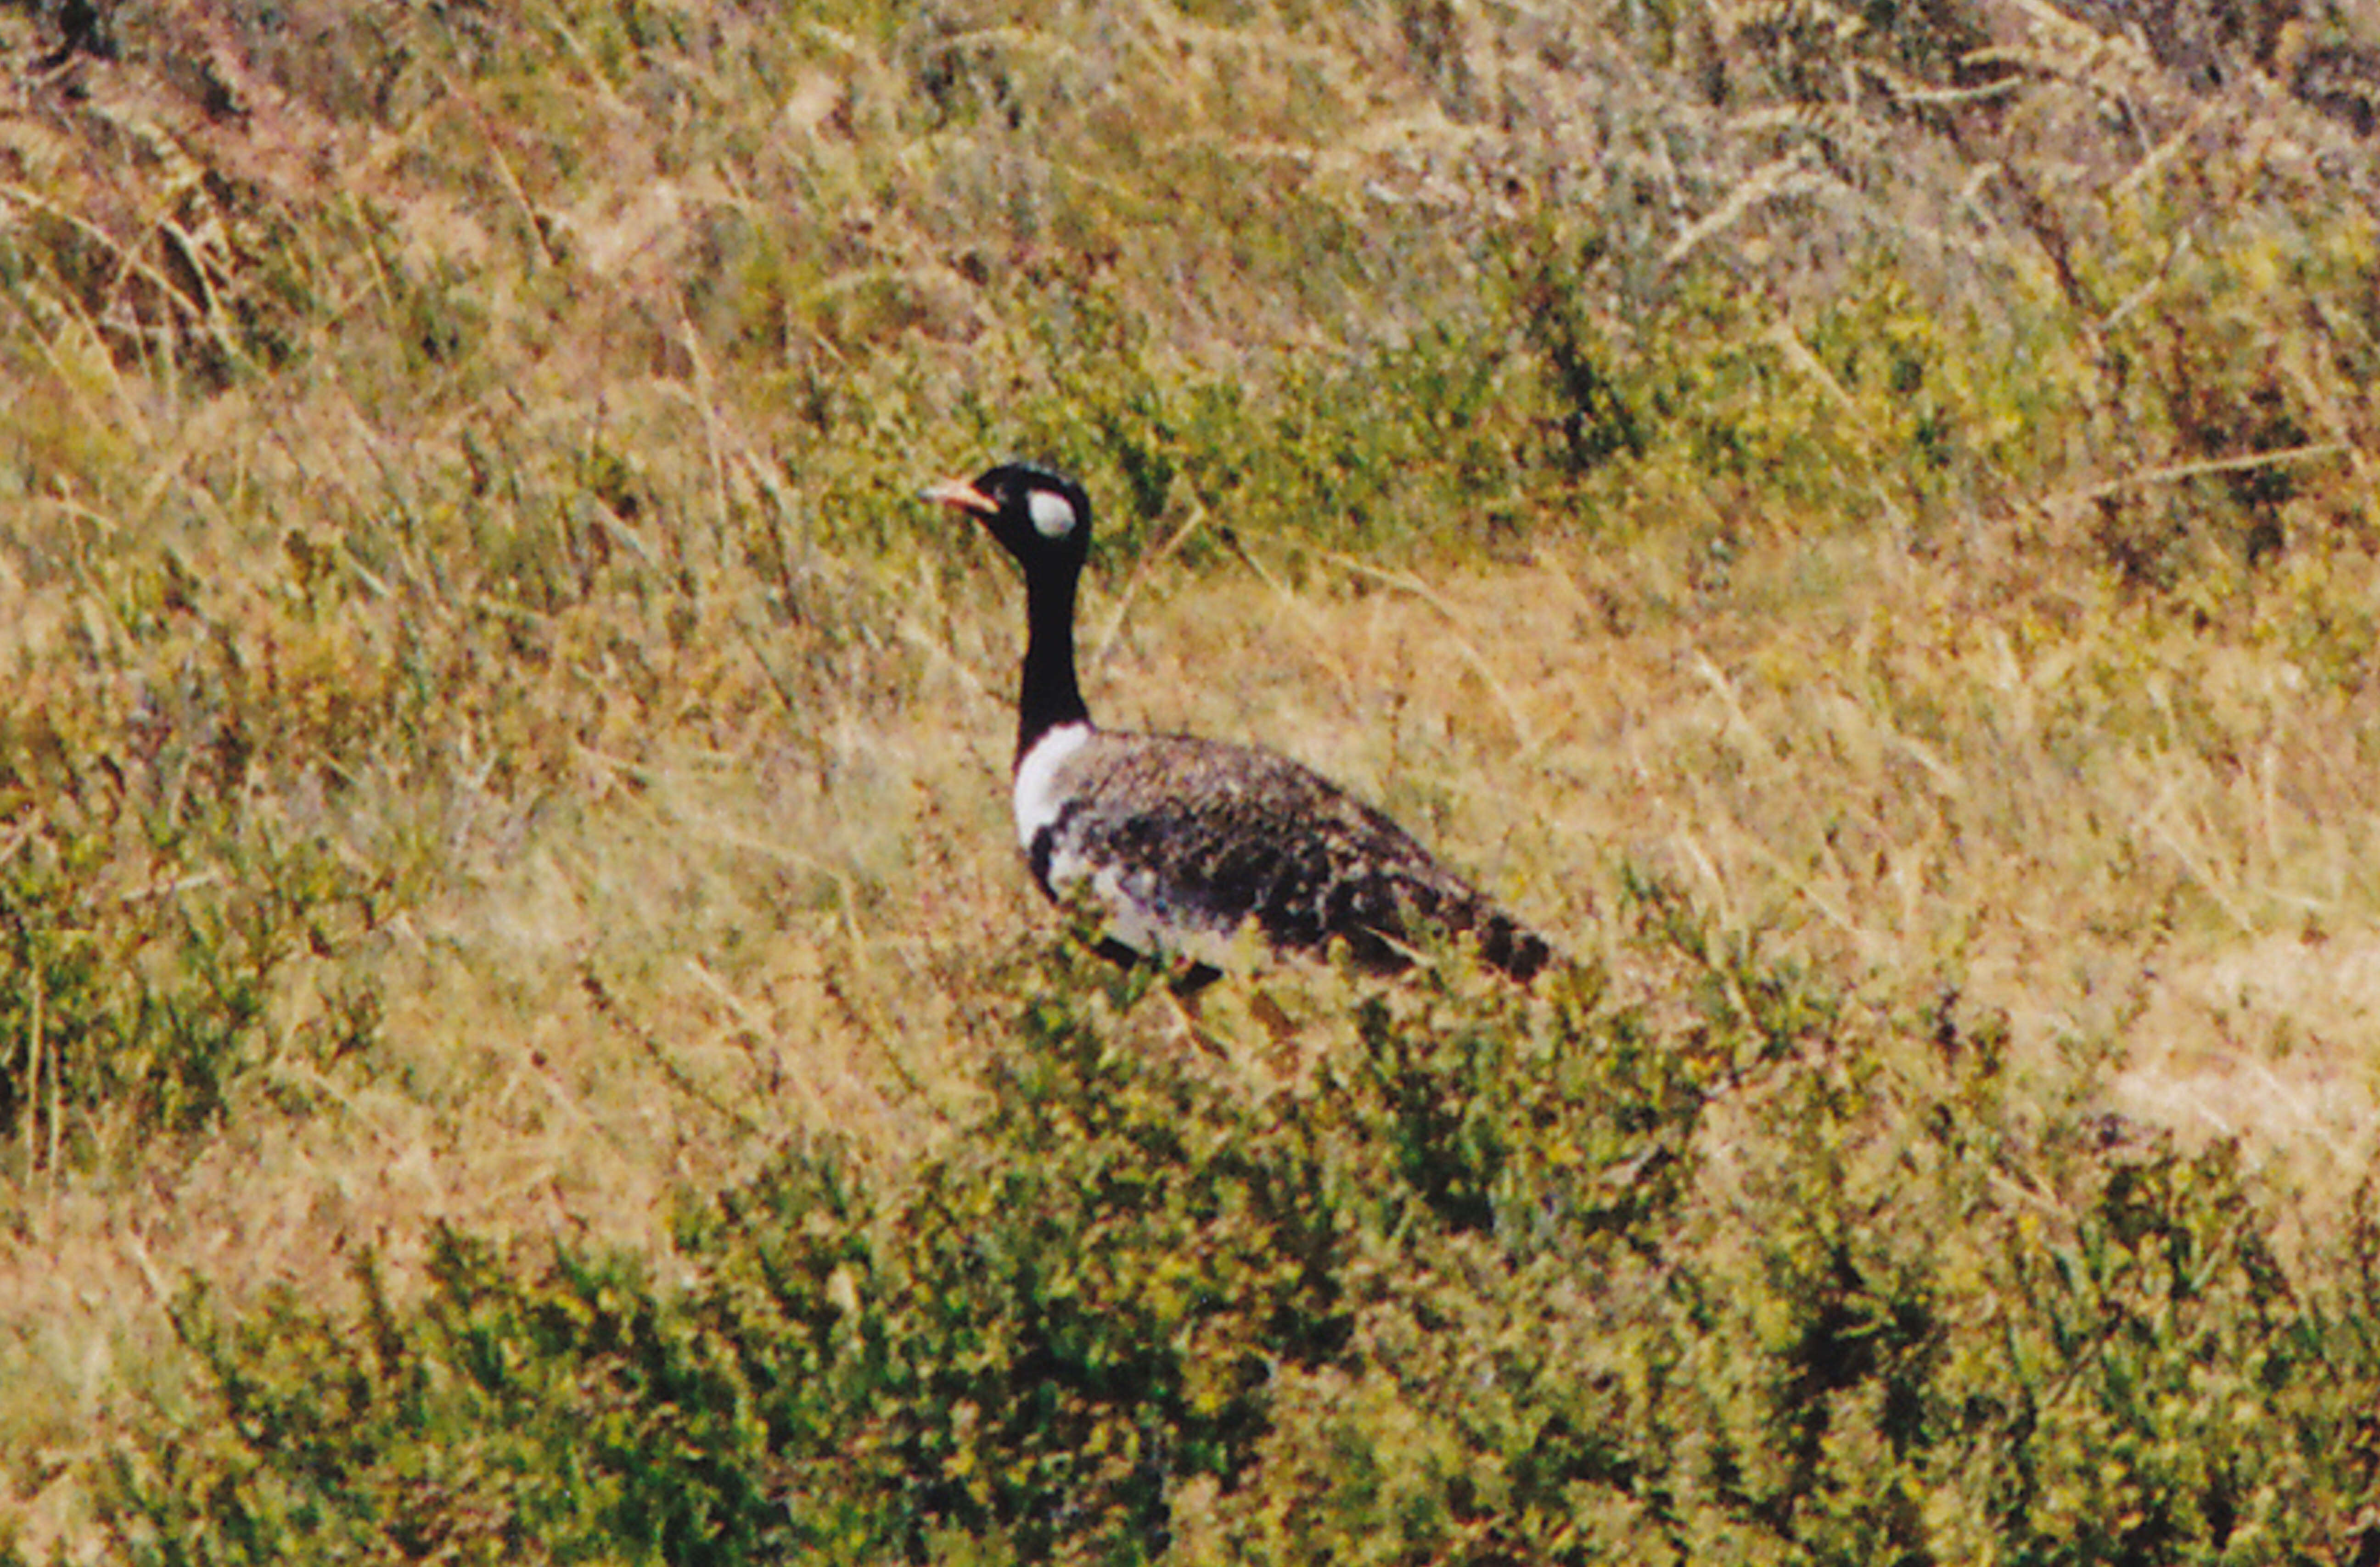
column 959, row 495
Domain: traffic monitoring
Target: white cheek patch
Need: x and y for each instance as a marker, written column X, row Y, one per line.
column 1054, row 514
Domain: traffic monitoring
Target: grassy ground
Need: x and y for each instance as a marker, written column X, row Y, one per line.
column 1861, row 524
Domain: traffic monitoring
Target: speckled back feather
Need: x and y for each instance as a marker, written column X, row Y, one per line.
column 1199, row 837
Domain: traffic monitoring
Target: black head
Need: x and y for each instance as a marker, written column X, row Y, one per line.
column 1042, row 518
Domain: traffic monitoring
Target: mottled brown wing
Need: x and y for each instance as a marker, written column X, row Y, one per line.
column 1204, row 836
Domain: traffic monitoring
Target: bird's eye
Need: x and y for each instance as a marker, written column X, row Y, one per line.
column 1052, row 514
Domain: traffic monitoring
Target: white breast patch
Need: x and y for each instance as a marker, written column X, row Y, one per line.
column 1040, row 786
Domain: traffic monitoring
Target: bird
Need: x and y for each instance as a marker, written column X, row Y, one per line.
column 1181, row 844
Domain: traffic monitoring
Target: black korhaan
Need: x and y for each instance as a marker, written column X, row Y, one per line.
column 1182, row 842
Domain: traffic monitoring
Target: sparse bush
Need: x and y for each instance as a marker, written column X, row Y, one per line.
column 146, row 921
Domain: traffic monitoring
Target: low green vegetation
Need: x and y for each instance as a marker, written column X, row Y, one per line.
column 522, row 1035
column 1741, row 1273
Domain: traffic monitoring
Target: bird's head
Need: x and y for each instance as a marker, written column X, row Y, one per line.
column 1042, row 518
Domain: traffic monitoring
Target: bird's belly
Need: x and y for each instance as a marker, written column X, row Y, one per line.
column 1138, row 904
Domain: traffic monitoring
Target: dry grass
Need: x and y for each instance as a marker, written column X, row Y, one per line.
column 774, row 957
column 521, row 455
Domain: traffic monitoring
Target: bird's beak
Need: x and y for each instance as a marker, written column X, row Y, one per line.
column 961, row 496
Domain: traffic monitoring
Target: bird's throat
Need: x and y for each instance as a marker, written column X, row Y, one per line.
column 1048, row 695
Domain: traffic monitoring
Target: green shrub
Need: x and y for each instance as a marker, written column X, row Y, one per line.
column 146, row 923
column 1500, row 1278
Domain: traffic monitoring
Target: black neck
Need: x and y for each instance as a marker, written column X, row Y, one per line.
column 1048, row 695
